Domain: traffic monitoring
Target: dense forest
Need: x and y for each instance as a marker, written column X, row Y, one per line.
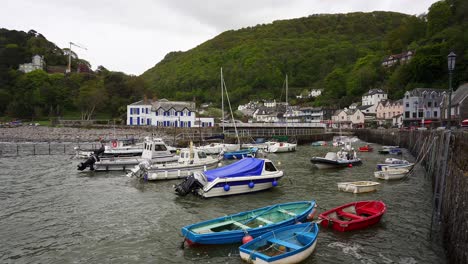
column 50, row 93
column 340, row 53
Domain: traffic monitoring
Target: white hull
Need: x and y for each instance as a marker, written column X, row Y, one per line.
column 358, row 187
column 216, row 148
column 281, row 147
column 391, row 174
column 296, row 258
column 170, row 172
column 212, row 190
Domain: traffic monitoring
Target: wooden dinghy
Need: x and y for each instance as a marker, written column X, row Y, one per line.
column 289, row 244
column 232, row 228
column 353, row 216
column 358, row 186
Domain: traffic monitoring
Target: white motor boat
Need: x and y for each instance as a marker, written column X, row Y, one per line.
column 156, row 151
column 191, row 160
column 277, row 147
column 393, row 174
column 336, row 160
column 216, row 148
column 115, row 148
column 244, row 176
column 358, row 186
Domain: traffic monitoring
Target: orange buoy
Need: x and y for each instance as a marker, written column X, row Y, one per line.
column 311, row 216
column 247, row 238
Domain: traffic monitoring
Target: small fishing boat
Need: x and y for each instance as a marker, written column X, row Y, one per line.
column 216, row 148
column 366, row 148
column 358, row 186
column 114, row 148
column 391, row 174
column 319, row 143
column 232, row 228
column 244, row 176
column 353, row 216
column 336, row 160
column 385, row 166
column 240, row 154
column 394, row 150
column 396, row 161
column 289, row 244
column 277, row 147
column 190, row 160
column 158, row 153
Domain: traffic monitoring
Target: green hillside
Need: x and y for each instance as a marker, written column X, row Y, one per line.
column 341, row 53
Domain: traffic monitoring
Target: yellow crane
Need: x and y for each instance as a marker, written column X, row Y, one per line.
column 69, row 54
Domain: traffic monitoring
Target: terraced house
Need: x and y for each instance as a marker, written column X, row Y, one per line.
column 421, row 106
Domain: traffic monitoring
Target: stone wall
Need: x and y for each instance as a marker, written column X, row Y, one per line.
column 444, row 154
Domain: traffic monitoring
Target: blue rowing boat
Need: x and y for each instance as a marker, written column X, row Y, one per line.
column 232, row 228
column 289, row 244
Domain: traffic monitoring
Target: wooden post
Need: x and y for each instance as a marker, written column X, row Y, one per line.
column 49, row 148
column 34, row 149
column 63, row 148
column 17, row 150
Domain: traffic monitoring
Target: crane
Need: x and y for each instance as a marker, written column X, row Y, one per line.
column 69, row 55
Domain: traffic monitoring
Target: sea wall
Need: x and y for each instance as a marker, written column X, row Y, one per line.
column 444, row 155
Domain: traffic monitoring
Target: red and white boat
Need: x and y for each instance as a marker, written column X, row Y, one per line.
column 366, row 148
column 353, row 216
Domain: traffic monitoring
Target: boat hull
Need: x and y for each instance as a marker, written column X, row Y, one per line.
column 206, row 232
column 177, row 172
column 358, row 187
column 393, row 174
column 323, row 163
column 239, row 187
column 368, row 213
column 299, row 251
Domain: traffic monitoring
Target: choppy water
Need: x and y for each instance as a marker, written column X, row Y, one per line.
column 50, row 213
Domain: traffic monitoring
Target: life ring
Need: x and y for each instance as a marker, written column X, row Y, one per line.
column 114, row 144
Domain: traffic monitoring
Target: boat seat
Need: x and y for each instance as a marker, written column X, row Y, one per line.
column 349, row 215
column 241, row 225
column 283, row 243
column 367, row 212
column 207, row 229
column 287, row 212
column 266, row 221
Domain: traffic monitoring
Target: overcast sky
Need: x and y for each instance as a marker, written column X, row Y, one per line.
column 132, row 36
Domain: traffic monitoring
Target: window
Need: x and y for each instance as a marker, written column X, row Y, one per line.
column 414, row 114
column 429, row 104
column 189, row 113
column 407, row 104
column 407, row 114
column 435, row 113
column 435, row 104
column 269, row 166
column 420, row 114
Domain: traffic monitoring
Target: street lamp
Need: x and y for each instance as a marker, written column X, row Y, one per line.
column 451, row 66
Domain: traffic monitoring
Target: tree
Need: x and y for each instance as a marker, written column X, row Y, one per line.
column 92, row 96
column 438, row 17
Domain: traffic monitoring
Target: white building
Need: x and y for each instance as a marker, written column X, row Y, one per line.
column 164, row 113
column 422, row 104
column 37, row 63
column 373, row 96
column 348, row 118
column 315, row 92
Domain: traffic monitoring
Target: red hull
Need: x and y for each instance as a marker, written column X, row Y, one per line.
column 365, row 149
column 353, row 216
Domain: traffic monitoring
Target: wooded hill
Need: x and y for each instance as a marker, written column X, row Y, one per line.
column 341, row 53
column 43, row 94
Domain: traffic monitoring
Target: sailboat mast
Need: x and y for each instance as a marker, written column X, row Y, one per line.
column 286, row 112
column 222, row 100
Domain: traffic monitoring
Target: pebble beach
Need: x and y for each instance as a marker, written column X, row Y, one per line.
column 70, row 134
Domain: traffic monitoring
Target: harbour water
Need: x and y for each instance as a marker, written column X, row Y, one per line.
column 51, row 213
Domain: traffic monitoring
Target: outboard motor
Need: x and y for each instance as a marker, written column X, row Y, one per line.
column 88, row 163
column 190, row 184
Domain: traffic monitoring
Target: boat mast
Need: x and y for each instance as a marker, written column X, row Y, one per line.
column 222, row 100
column 232, row 114
column 286, row 105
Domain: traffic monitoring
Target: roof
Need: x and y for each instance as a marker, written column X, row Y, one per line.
column 364, row 107
column 460, row 94
column 419, row 91
column 177, row 105
column 374, row 91
column 140, row 103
